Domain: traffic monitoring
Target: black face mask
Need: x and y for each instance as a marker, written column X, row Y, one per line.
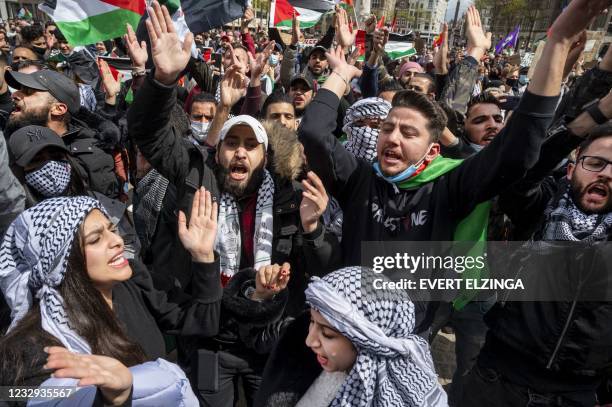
column 40, row 51
column 512, row 82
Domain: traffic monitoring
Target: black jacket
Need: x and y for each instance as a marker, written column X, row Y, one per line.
column 188, row 168
column 92, row 147
column 558, row 346
column 375, row 211
column 291, row 369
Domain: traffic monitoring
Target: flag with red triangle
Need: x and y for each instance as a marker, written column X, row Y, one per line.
column 381, row 23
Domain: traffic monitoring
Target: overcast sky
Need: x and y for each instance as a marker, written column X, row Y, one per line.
column 452, row 4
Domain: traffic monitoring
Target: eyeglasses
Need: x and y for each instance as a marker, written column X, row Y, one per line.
column 593, row 163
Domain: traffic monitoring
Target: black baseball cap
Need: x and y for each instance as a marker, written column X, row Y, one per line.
column 28, row 141
column 317, row 48
column 58, row 85
column 304, row 78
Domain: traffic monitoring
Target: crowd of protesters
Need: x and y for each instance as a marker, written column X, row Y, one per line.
column 192, row 233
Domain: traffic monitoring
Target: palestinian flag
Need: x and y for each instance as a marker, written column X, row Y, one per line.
column 360, row 43
column 398, row 50
column 86, row 22
column 282, row 15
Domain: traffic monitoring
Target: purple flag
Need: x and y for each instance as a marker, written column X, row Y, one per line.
column 511, row 39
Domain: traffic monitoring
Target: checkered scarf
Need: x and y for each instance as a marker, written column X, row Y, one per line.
column 51, row 179
column 393, row 365
column 228, row 242
column 362, row 140
column 565, row 221
column 33, row 259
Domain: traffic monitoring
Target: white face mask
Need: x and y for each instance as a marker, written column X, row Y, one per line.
column 200, row 130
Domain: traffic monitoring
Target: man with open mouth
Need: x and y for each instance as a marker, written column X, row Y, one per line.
column 263, row 220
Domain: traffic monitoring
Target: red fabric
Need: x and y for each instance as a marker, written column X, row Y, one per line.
column 137, row 6
column 190, row 96
column 283, row 11
column 120, row 166
column 247, row 229
column 360, row 41
column 381, row 23
column 247, row 41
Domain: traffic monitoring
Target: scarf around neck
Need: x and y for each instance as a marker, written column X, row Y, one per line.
column 472, row 228
column 565, row 221
column 228, row 241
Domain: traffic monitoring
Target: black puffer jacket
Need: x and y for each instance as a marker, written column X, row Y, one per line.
column 91, row 140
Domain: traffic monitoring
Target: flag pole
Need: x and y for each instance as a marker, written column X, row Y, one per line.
column 271, row 13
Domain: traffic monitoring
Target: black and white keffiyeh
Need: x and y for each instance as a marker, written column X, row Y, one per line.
column 565, row 221
column 228, row 242
column 149, row 198
column 393, row 365
column 51, row 179
column 33, row 259
column 362, row 140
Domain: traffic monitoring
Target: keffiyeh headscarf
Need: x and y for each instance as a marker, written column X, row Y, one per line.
column 393, row 365
column 362, row 140
column 33, row 259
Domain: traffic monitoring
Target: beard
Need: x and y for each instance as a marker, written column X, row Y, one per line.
column 578, row 191
column 239, row 189
column 27, row 118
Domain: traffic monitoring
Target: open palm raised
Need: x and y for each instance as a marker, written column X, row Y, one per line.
column 170, row 56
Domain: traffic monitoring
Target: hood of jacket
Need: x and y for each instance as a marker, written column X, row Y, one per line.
column 285, row 152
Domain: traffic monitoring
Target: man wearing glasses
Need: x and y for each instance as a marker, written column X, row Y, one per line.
column 556, row 352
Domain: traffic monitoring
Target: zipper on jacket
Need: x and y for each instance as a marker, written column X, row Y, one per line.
column 565, row 328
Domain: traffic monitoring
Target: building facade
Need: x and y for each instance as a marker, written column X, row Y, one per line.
column 10, row 8
column 423, row 16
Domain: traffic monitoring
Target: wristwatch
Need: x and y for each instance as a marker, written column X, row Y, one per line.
column 592, row 108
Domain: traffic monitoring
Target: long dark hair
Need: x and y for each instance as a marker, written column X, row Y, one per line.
column 88, row 315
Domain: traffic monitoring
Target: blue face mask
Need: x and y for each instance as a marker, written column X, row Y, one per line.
column 523, row 80
column 402, row 176
column 273, row 60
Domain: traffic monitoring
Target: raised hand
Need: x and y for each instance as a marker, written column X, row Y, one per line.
column 381, row 37
column 574, row 54
column 271, row 280
column 170, row 56
column 199, row 237
column 337, row 63
column 441, row 54
column 370, row 24
column 113, row 379
column 478, row 42
column 233, row 86
column 314, row 202
column 248, row 16
column 137, row 52
column 575, row 18
column 259, row 64
column 344, row 36
column 111, row 85
column 295, row 30
column 352, row 58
